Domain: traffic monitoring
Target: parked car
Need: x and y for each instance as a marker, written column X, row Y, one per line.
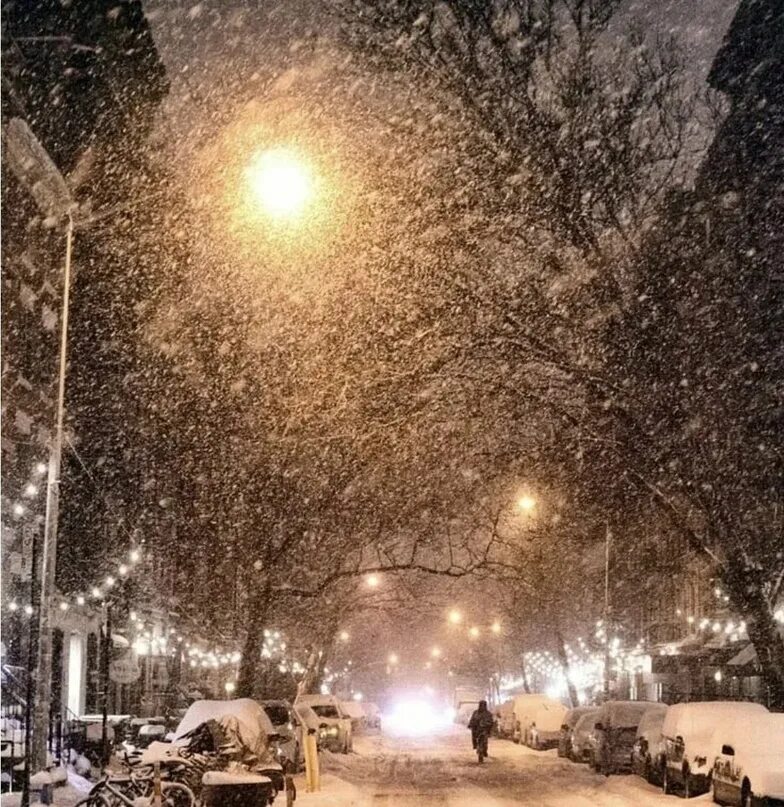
column 355, row 711
column 337, row 734
column 505, row 718
column 372, row 716
column 545, row 728
column 525, row 707
column 310, row 722
column 288, row 725
column 647, row 748
column 687, row 742
column 749, row 768
column 567, row 727
column 614, row 733
column 234, row 733
column 581, row 735
column 464, row 712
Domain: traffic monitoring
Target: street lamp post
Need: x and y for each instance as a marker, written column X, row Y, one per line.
column 35, row 169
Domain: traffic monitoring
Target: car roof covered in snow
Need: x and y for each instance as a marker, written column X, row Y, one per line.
column 623, row 714
column 700, row 720
column 253, row 725
column 573, row 715
column 318, row 700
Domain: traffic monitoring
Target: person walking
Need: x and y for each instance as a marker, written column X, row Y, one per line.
column 481, row 724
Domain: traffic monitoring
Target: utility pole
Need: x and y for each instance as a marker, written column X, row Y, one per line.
column 36, row 171
column 607, row 541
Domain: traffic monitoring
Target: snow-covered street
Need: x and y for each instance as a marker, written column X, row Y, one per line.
column 441, row 770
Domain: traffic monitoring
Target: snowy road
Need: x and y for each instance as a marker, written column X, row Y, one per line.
column 441, row 770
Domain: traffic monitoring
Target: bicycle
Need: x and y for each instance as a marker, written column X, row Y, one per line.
column 125, row 790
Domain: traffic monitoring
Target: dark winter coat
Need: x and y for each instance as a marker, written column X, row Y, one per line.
column 481, row 722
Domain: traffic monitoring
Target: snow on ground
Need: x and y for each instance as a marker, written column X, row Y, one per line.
column 442, row 770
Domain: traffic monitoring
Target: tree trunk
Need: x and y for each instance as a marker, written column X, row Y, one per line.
column 746, row 595
column 247, row 678
column 524, row 673
column 563, row 658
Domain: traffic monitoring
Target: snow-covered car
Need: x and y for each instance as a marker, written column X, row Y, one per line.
column 614, row 733
column 647, row 748
column 749, row 768
column 355, row 711
column 567, row 727
column 288, row 725
column 372, row 715
column 525, row 709
column 336, row 734
column 581, row 735
column 545, row 728
column 505, row 719
column 687, row 741
column 464, row 712
column 239, row 730
column 326, row 738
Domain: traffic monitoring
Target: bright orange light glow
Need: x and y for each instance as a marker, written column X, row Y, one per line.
column 455, row 617
column 526, row 503
column 281, row 182
column 473, row 632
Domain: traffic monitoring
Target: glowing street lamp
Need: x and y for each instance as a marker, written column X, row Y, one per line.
column 473, row 632
column 372, row 581
column 393, row 658
column 455, row 617
column 281, row 183
column 436, row 652
column 344, row 637
column 496, row 627
column 526, row 503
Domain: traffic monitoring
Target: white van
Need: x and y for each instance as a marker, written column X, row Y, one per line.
column 688, row 744
column 749, row 768
column 525, row 710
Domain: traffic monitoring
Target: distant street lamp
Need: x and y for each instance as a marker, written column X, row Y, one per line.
column 473, row 632
column 436, row 652
column 455, row 617
column 526, row 503
column 496, row 627
column 393, row 658
column 344, row 637
column 372, row 581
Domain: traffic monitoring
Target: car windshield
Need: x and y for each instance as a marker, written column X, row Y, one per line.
column 326, row 710
column 277, row 713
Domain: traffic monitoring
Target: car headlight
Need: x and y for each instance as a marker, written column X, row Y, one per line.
column 333, row 731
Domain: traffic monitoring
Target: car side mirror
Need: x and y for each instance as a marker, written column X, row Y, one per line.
column 311, row 731
column 599, row 727
column 679, row 740
column 728, row 751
